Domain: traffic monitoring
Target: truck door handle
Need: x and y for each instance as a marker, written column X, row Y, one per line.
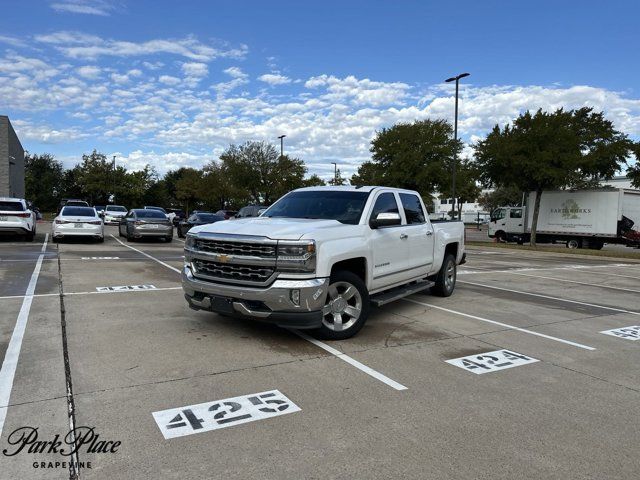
column 429, row 233
column 403, row 236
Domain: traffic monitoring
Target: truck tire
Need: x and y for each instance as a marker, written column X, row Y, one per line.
column 30, row 236
column 574, row 243
column 346, row 307
column 446, row 278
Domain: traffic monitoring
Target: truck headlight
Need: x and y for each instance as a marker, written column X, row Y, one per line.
column 297, row 256
column 190, row 242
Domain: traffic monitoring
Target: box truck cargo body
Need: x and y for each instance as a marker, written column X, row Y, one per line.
column 581, row 218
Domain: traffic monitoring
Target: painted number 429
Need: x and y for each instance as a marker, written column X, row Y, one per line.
column 491, row 361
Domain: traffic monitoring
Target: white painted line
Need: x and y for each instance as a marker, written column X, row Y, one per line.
column 228, row 412
column 317, row 343
column 343, row 356
column 147, row 255
column 100, row 258
column 158, row 289
column 613, row 309
column 629, row 333
column 464, row 271
column 574, row 281
column 10, row 363
column 491, row 361
column 506, row 325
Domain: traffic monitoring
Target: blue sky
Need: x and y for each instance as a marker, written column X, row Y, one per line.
column 173, row 83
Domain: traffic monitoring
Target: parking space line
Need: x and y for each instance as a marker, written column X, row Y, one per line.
column 147, row 255
column 343, row 356
column 613, row 309
column 10, row 363
column 574, row 281
column 506, row 325
column 9, row 297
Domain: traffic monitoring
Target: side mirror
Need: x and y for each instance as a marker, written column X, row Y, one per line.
column 385, row 219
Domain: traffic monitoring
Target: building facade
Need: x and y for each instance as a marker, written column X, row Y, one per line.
column 11, row 161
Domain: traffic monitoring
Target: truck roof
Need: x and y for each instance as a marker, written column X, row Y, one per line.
column 351, row 188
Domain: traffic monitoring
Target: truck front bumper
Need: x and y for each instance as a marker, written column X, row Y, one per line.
column 286, row 303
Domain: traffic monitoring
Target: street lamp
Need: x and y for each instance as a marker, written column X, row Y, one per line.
column 335, row 173
column 281, row 137
column 113, row 169
column 455, row 137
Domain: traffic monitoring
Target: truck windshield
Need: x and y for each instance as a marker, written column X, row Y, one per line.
column 343, row 206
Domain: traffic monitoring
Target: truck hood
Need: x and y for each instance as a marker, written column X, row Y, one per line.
column 273, row 228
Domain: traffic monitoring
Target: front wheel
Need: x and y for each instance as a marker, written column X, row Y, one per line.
column 346, row 308
column 574, row 243
column 446, row 278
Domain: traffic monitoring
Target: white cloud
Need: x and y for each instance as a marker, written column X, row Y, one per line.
column 89, row 71
column 13, row 41
column 27, row 131
column 274, row 79
column 80, row 45
column 195, row 69
column 169, row 80
column 163, row 162
column 86, row 7
column 360, row 91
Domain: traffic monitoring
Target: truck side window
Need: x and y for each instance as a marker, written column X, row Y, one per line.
column 385, row 203
column 515, row 213
column 412, row 208
column 498, row 214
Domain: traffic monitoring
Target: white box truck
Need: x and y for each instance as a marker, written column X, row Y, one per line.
column 580, row 218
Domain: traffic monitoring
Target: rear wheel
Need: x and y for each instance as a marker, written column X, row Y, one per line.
column 346, row 308
column 446, row 278
column 30, row 236
column 169, row 239
column 180, row 234
column 129, row 236
column 574, row 243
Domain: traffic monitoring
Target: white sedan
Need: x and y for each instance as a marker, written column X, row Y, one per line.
column 77, row 222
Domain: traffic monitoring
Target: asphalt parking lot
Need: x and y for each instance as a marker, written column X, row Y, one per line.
column 384, row 404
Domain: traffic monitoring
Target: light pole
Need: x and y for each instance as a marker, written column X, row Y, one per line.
column 335, row 173
column 281, row 137
column 113, row 170
column 455, row 137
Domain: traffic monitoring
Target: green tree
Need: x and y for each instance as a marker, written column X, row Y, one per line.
column 313, row 181
column 43, row 179
column 411, row 155
column 500, row 197
column 188, row 187
column 257, row 169
column 98, row 178
column 555, row 150
column 634, row 171
column 467, row 187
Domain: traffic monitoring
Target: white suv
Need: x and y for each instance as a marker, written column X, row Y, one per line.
column 16, row 218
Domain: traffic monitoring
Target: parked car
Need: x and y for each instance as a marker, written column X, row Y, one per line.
column 319, row 256
column 141, row 222
column 200, row 218
column 72, row 202
column 251, row 211
column 99, row 209
column 170, row 216
column 77, row 222
column 227, row 214
column 178, row 217
column 16, row 218
column 113, row 213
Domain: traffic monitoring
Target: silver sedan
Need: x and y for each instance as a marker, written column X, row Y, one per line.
column 143, row 223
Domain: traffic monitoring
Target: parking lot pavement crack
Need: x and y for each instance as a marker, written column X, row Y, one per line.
column 74, row 473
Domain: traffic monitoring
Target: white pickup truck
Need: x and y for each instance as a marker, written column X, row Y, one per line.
column 319, row 256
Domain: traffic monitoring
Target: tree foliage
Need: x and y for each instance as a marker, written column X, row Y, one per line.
column 415, row 155
column 43, row 181
column 467, row 187
column 500, row 197
column 634, row 171
column 541, row 151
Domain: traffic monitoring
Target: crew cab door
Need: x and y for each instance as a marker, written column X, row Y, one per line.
column 514, row 220
column 390, row 249
column 419, row 233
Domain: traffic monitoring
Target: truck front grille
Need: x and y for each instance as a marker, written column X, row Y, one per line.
column 236, row 248
column 232, row 273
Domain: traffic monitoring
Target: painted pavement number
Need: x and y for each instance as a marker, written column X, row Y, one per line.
column 100, row 258
column 630, row 333
column 182, row 421
column 491, row 361
column 125, row 288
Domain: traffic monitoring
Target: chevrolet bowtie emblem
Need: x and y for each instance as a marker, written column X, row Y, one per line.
column 223, row 258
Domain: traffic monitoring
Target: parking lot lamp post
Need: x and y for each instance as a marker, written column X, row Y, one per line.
column 113, row 186
column 335, row 173
column 455, row 137
column 281, row 137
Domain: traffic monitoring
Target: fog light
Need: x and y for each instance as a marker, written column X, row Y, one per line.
column 295, row 297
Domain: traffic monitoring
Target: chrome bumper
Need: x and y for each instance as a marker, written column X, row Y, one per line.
column 273, row 303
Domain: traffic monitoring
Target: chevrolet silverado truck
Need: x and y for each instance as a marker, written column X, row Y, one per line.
column 320, row 256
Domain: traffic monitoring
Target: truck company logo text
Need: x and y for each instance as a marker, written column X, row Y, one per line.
column 570, row 210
